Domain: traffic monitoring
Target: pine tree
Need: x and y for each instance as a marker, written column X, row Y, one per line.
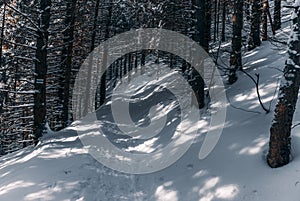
column 265, row 21
column 280, row 131
column 66, row 60
column 203, row 25
column 41, row 68
column 254, row 39
column 223, row 20
column 236, row 54
column 277, row 14
column 106, row 36
column 18, row 50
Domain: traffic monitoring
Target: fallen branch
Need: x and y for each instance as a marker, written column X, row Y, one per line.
column 256, row 82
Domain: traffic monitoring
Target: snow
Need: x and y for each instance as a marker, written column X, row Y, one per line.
column 60, row 167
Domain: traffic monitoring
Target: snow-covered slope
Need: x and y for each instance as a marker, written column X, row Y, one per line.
column 60, row 168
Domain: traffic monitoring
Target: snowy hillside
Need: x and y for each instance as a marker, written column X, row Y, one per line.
column 60, row 168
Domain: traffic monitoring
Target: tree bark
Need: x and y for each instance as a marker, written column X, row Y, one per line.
column 224, row 20
column 87, row 106
column 277, row 14
column 236, row 54
column 254, row 39
column 280, row 131
column 103, row 78
column 203, row 23
column 216, row 20
column 67, row 60
column 2, row 33
column 41, row 66
column 265, row 21
column 201, row 37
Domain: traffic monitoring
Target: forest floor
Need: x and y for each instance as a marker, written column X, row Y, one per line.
column 60, row 168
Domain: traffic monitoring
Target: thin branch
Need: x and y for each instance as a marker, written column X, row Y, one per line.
column 298, row 124
column 256, row 82
column 242, row 109
column 24, row 15
column 273, row 39
column 18, row 44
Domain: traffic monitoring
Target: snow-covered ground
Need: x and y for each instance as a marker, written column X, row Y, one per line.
column 60, row 168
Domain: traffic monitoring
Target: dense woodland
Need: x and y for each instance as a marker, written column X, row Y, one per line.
column 43, row 43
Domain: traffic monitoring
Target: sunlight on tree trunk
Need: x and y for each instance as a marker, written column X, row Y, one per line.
column 280, row 132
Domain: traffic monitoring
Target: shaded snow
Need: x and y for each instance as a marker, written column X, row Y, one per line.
column 60, row 168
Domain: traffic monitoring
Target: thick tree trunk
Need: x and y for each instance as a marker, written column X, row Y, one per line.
column 39, row 109
column 277, row 14
column 280, row 132
column 92, row 47
column 224, row 20
column 265, row 21
column 67, row 60
column 204, row 42
column 236, row 60
column 236, row 54
column 218, row 17
column 197, row 83
column 203, row 24
column 201, row 37
column 103, row 78
column 254, row 39
column 215, row 20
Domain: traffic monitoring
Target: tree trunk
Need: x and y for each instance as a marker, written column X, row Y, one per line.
column 265, row 21
column 254, row 39
column 236, row 55
column 3, row 79
column 39, row 109
column 202, row 38
column 103, row 78
column 280, row 131
column 197, row 83
column 89, row 73
column 207, row 26
column 203, row 23
column 236, row 62
column 67, row 51
column 215, row 20
column 143, row 57
column 277, row 14
column 224, row 20
column 218, row 18
column 2, row 34
column 247, row 9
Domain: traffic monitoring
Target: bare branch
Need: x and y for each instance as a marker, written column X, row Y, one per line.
column 256, row 82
